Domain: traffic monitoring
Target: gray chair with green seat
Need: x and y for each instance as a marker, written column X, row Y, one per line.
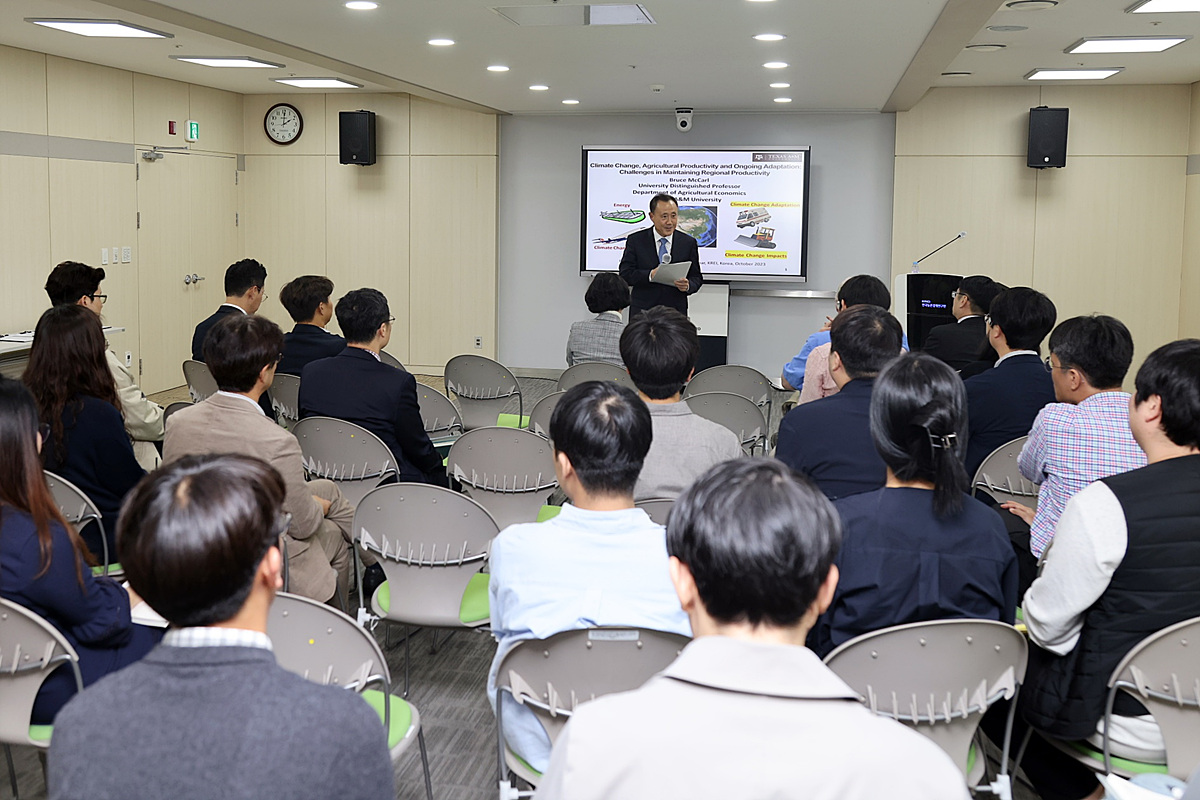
column 432, row 544
column 736, row 379
column 30, row 649
column 285, row 399
column 200, row 382
column 659, row 508
column 347, row 454
column 735, row 412
column 484, row 388
column 939, row 678
column 80, row 511
column 325, row 646
column 552, row 676
column 509, row 472
column 438, row 413
column 593, row 371
column 539, row 418
column 390, row 360
column 1001, row 478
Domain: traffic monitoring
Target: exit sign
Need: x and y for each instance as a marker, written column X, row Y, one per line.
column 193, row 131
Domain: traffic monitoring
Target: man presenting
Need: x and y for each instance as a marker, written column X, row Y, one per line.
column 647, row 249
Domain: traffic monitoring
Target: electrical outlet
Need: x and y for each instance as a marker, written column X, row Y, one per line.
column 478, row 342
column 128, row 359
column 103, row 255
column 126, row 255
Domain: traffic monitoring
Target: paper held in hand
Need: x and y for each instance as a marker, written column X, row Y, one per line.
column 669, row 273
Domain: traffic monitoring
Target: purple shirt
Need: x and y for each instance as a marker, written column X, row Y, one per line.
column 1071, row 446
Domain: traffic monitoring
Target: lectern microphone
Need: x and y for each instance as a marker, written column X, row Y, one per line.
column 960, row 235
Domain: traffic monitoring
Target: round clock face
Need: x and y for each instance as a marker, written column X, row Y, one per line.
column 283, row 123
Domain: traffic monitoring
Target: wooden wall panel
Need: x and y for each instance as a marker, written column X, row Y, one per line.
column 22, row 91
column 959, row 122
column 220, row 116
column 312, row 111
column 25, row 229
column 1189, row 284
column 1194, row 128
column 1123, row 120
column 87, row 101
column 391, row 121
column 157, row 101
column 444, row 130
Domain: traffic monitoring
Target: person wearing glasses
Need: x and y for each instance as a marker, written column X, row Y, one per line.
column 45, row 566
column 964, row 341
column 73, row 283
column 243, row 351
column 647, row 249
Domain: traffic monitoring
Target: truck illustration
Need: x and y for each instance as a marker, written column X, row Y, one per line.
column 752, row 216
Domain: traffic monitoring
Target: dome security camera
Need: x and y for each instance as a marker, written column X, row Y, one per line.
column 683, row 119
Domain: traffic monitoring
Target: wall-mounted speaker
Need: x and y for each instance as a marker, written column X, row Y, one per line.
column 1047, row 137
column 357, row 132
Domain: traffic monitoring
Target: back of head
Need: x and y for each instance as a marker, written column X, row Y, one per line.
column 759, row 540
column 301, row 296
column 607, row 292
column 360, row 313
column 981, row 290
column 604, row 429
column 865, row 337
column 660, row 348
column 864, row 290
column 244, row 275
column 1172, row 372
column 192, row 534
column 1098, row 346
column 238, row 347
column 919, row 426
column 72, row 280
column 1024, row 315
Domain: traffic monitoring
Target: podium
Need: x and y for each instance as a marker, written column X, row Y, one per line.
column 708, row 309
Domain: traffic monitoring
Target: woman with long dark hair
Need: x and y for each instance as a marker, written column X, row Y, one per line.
column 919, row 549
column 76, row 396
column 43, row 564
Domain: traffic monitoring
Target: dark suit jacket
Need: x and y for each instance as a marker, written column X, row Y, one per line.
column 1002, row 404
column 355, row 387
column 205, row 326
column 308, row 343
column 829, row 440
column 960, row 343
column 641, row 257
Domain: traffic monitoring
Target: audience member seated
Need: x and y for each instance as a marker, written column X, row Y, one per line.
column 751, row 557
column 1122, row 565
column 72, row 283
column 600, row 562
column 1003, row 402
column 244, row 284
column 76, row 396
column 1084, row 436
column 44, row 565
column 209, row 713
column 242, row 352
column 307, row 301
column 599, row 339
column 660, row 349
column 829, row 440
column 965, row 341
column 918, row 549
column 358, row 387
column 854, row 291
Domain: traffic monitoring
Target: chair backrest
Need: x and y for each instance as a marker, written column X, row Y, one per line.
column 552, row 676
column 323, row 645
column 285, row 399
column 438, row 414
column 30, row 649
column 659, row 508
column 735, row 412
column 1163, row 673
column 390, row 360
column 173, row 407
column 348, row 454
column 1000, row 477
column 937, row 677
column 539, row 418
column 593, row 371
column 483, row 388
column 201, row 384
column 430, row 542
column 78, row 509
column 733, row 378
column 508, row 470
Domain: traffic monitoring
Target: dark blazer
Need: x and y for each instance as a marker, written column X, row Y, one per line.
column 829, row 440
column 1002, row 404
column 357, row 388
column 641, row 257
column 307, row 343
column 205, row 326
column 960, row 343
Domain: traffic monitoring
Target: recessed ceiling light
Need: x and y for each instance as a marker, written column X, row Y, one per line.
column 497, row 68
column 783, row 99
column 770, row 37
column 318, row 83
column 781, row 85
column 1007, row 28
column 1163, row 6
column 985, row 48
column 775, row 64
column 362, row 5
column 441, row 42
column 538, row 87
column 113, row 28
column 1097, row 74
column 760, row 1
column 570, row 102
column 246, row 62
column 955, row 74
column 1031, row 5
column 1125, row 44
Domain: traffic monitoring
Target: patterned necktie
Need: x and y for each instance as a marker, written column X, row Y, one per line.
column 662, row 250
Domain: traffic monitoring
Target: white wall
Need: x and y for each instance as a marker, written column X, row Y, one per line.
column 540, row 290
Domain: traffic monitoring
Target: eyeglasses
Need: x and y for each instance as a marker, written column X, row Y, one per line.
column 955, row 294
column 391, row 320
column 43, row 430
column 103, row 298
column 1050, row 367
column 987, row 320
column 283, row 524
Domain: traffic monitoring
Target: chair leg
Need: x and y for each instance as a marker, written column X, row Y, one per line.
column 12, row 772
column 407, row 658
column 425, row 764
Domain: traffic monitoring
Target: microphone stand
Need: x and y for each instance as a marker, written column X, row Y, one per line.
column 915, row 266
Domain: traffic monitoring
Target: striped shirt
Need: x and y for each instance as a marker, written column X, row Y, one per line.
column 216, row 637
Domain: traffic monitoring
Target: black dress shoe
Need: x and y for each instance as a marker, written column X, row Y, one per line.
column 372, row 579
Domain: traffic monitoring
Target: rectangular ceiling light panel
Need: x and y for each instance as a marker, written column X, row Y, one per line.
column 1072, row 74
column 577, row 15
column 1163, row 6
column 1125, row 44
column 111, row 28
column 318, row 83
column 245, row 62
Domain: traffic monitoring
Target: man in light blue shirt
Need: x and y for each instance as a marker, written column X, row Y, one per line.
column 600, row 562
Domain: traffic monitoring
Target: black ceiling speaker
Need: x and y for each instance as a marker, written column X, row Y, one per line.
column 357, row 130
column 1047, row 137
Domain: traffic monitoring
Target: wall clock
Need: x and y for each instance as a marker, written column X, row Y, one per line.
column 283, row 123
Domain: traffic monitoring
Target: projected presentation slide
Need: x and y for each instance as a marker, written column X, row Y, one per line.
column 746, row 208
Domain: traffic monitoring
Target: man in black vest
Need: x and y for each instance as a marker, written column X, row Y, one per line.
column 1123, row 564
